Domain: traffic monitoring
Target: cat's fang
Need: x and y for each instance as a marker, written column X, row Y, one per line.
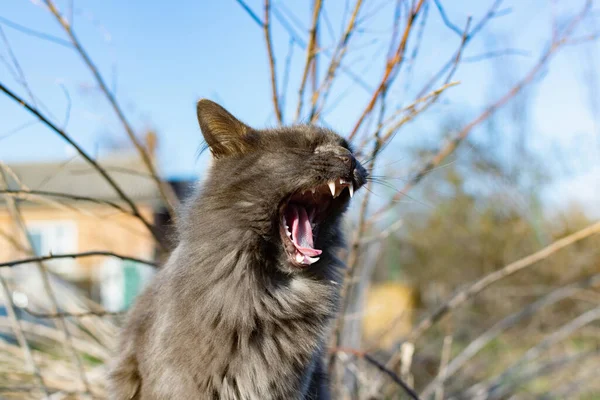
column 351, row 189
column 312, row 260
column 332, row 188
column 299, row 257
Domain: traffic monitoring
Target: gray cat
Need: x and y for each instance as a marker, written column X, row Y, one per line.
column 242, row 308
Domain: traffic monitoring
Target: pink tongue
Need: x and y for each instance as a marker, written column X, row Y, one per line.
column 302, row 236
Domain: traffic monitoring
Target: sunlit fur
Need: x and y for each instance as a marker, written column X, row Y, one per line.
column 228, row 317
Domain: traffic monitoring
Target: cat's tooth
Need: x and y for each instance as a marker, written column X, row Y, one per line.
column 299, row 257
column 287, row 232
column 312, row 190
column 312, row 260
column 332, row 188
column 351, row 189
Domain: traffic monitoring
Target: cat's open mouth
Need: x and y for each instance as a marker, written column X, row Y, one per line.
column 302, row 214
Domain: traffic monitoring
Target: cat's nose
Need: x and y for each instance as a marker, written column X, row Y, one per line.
column 346, row 157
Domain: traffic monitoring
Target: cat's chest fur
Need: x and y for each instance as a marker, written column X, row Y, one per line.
column 235, row 334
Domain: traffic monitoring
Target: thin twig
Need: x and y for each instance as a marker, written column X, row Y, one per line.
column 463, row 45
column 35, row 33
column 272, row 67
column 447, row 22
column 168, row 195
column 134, row 209
column 21, row 74
column 286, row 72
column 25, row 194
column 411, row 112
column 322, row 92
column 356, row 78
column 12, row 263
column 383, row 234
column 18, row 129
column 311, row 52
column 365, row 356
column 101, row 313
column 251, row 13
column 446, row 350
column 494, row 54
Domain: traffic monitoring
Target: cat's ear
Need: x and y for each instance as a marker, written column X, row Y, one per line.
column 224, row 133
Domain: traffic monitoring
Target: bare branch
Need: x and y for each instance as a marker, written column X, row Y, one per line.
column 491, row 389
column 21, row 74
column 10, row 264
column 365, row 356
column 447, row 22
column 29, row 388
column 475, row 288
column 25, row 194
column 273, row 69
column 542, row 369
column 451, row 63
column 311, row 52
column 99, row 313
column 286, row 72
column 134, row 209
column 490, row 110
column 479, row 343
column 411, row 112
column 494, row 54
column 18, row 129
column 392, row 65
column 383, row 234
column 166, row 192
column 446, row 350
column 336, row 60
column 35, row 33
column 251, row 13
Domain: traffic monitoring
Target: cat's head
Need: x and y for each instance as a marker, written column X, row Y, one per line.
column 289, row 184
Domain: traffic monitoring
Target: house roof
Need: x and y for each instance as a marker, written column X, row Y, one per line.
column 77, row 177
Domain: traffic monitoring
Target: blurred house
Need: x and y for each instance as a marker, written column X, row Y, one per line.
column 58, row 225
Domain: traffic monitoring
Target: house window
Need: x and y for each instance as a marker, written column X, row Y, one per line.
column 54, row 237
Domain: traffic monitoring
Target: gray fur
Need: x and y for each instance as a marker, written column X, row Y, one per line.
column 228, row 316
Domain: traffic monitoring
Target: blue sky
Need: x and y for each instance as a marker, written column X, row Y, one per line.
column 162, row 57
